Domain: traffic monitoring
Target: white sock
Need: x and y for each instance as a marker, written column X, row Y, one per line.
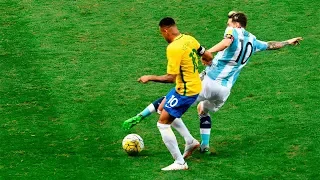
column 183, row 130
column 170, row 141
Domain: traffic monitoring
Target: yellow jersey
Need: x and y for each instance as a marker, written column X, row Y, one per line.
column 183, row 61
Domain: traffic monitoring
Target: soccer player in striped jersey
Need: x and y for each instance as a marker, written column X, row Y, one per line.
column 233, row 54
column 182, row 69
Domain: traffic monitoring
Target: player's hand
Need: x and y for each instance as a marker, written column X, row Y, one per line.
column 144, row 79
column 206, row 62
column 294, row 41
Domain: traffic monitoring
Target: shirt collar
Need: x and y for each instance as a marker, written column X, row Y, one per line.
column 178, row 37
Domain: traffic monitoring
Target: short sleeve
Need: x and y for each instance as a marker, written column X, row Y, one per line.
column 260, row 45
column 229, row 33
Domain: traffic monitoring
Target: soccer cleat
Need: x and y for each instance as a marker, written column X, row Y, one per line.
column 206, row 151
column 176, row 166
column 129, row 123
column 189, row 148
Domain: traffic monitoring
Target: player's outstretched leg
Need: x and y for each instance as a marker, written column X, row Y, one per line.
column 129, row 123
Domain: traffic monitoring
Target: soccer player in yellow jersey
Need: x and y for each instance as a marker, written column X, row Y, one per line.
column 182, row 69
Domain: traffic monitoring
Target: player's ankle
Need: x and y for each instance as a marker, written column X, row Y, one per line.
column 203, row 147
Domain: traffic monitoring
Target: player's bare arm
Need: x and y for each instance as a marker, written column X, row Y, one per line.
column 167, row 78
column 221, row 45
column 216, row 48
column 277, row 44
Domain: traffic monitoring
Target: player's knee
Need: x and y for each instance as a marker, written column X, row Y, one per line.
column 160, row 107
column 165, row 118
column 201, row 109
column 164, row 121
column 157, row 103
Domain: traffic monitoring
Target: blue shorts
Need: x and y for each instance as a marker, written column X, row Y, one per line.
column 176, row 105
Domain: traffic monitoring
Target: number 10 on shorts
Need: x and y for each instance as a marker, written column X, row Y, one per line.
column 173, row 101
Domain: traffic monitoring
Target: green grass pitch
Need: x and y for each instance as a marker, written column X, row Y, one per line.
column 68, row 72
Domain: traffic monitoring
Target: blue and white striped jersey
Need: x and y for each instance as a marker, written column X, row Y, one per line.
column 228, row 63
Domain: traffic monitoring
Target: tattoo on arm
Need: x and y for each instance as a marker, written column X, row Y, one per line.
column 276, row 45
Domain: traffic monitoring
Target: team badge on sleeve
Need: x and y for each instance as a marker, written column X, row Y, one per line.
column 229, row 33
column 229, row 36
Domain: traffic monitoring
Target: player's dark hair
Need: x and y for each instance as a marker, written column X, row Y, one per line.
column 239, row 17
column 167, row 22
